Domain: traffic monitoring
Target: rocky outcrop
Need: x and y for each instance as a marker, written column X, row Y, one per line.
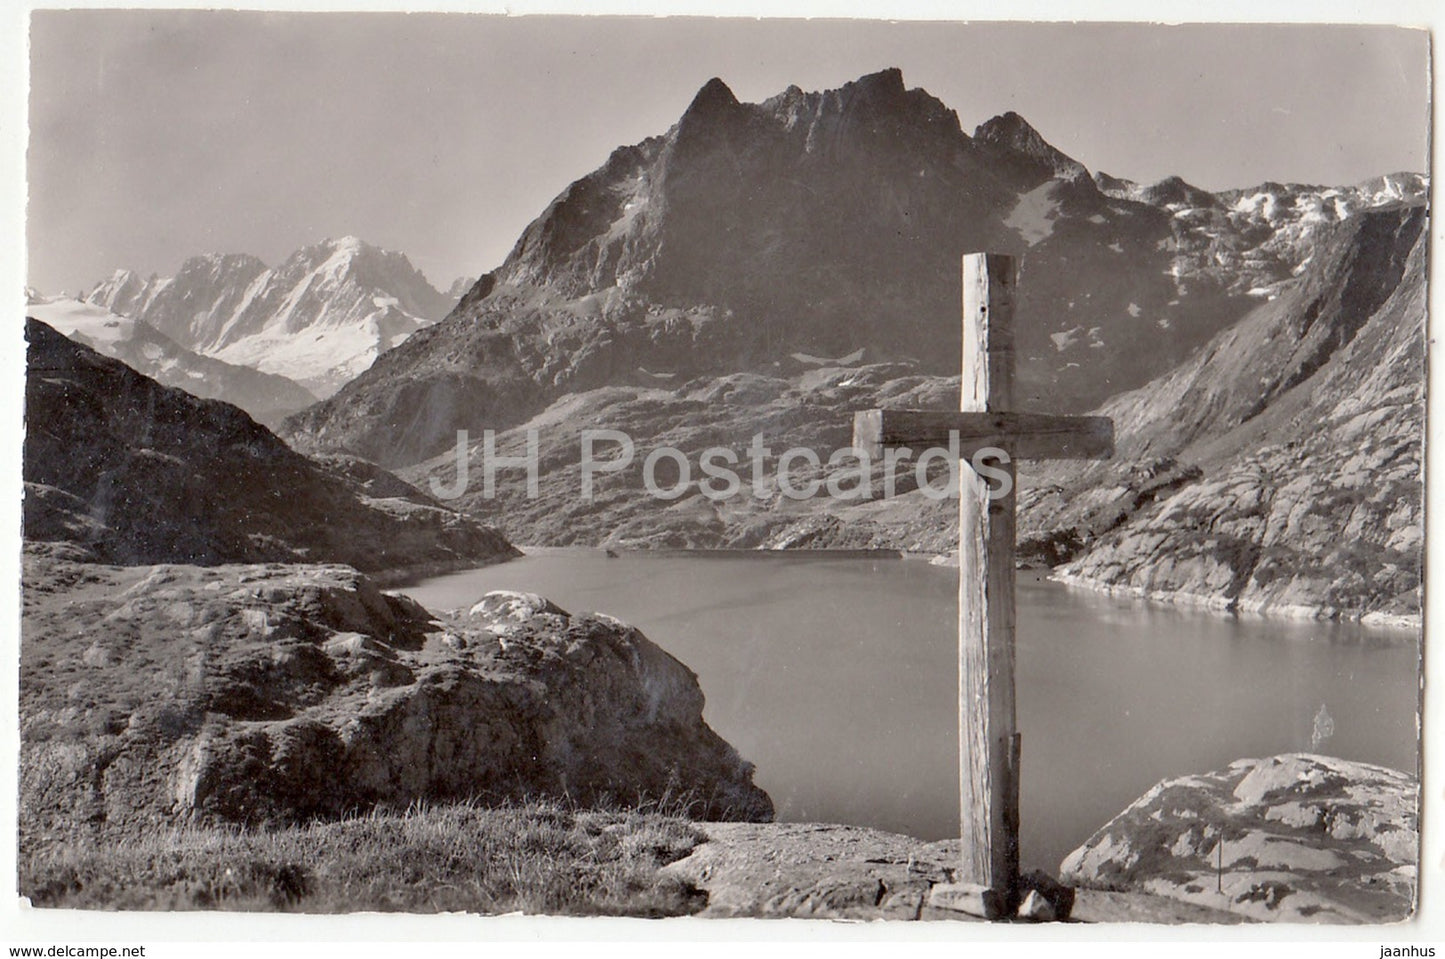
column 276, row 693
column 826, row 871
column 1295, row 838
column 133, row 472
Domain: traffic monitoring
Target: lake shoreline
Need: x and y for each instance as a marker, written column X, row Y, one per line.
column 1225, row 608
column 400, row 577
column 1412, row 623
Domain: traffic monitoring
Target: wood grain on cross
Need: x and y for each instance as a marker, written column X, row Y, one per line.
column 989, row 742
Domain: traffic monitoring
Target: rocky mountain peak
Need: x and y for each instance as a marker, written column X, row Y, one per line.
column 1007, row 127
column 346, row 247
column 713, row 95
column 884, row 83
column 819, row 224
column 222, row 265
column 1176, row 190
column 341, row 253
column 121, row 292
column 350, row 259
column 1396, row 186
column 883, row 101
column 1013, row 139
column 711, row 119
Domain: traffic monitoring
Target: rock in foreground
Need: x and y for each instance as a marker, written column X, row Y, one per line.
column 827, row 871
column 276, row 693
column 1306, row 839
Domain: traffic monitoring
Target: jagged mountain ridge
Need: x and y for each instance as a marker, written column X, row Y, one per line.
column 267, row 397
column 1256, row 239
column 814, row 225
column 319, row 318
column 126, row 471
column 1010, row 139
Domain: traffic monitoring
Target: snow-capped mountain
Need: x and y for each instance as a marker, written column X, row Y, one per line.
column 1256, row 239
column 320, row 318
column 267, row 397
column 190, row 307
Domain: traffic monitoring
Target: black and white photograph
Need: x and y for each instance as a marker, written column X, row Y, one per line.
column 874, row 473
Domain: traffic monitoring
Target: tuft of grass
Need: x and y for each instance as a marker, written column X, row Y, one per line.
column 535, row 857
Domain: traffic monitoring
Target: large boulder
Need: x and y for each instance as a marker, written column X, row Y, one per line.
column 280, row 693
column 1306, row 838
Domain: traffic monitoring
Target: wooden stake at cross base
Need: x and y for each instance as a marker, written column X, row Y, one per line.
column 989, row 744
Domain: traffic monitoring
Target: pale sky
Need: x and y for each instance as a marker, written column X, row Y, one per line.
column 156, row 135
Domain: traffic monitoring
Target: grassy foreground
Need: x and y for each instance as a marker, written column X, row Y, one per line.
column 539, row 857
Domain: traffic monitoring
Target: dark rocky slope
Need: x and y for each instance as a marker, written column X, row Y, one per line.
column 132, row 472
column 192, row 649
column 269, row 398
column 1281, row 468
column 812, row 410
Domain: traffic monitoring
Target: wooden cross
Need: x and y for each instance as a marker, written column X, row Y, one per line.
column 988, row 743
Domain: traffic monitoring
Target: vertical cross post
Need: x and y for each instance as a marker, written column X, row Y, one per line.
column 988, row 881
column 989, row 742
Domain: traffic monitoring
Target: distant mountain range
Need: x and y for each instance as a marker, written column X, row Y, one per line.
column 831, row 225
column 319, row 319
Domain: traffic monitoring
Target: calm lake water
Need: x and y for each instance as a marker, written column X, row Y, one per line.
column 838, row 678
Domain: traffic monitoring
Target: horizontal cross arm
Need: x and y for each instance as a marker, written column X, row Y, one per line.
column 1025, row 435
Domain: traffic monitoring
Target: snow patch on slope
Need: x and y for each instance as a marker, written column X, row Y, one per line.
column 97, row 327
column 1033, row 216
